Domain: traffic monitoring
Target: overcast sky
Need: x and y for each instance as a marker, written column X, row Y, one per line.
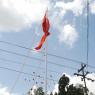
column 20, row 23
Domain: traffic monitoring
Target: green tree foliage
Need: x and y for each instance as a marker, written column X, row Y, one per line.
column 63, row 83
column 55, row 93
column 66, row 89
column 51, row 93
column 30, row 91
column 73, row 90
column 39, row 91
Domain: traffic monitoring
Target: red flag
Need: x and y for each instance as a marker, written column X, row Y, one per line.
column 41, row 42
column 45, row 26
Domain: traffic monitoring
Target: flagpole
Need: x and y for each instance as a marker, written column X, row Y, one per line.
column 46, row 67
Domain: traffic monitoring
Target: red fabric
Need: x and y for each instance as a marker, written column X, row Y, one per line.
column 41, row 42
column 45, row 26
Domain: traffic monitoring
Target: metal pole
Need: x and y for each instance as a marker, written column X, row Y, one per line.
column 87, row 31
column 46, row 69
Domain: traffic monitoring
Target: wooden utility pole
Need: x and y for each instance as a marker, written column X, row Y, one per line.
column 83, row 75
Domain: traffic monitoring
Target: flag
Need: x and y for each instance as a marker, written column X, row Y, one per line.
column 45, row 27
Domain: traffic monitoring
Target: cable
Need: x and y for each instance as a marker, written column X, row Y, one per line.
column 18, row 63
column 37, row 59
column 21, row 69
column 21, row 55
column 40, row 59
column 61, row 57
column 57, row 56
column 13, row 70
column 9, row 43
column 61, row 65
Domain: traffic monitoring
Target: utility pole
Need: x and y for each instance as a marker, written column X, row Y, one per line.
column 83, row 75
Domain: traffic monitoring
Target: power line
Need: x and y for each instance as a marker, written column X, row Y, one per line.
column 21, row 55
column 28, row 65
column 13, row 70
column 21, row 69
column 61, row 57
column 37, row 59
column 9, row 43
column 54, row 55
column 16, row 71
column 61, row 65
column 30, row 57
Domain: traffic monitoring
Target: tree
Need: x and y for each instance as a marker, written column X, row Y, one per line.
column 91, row 93
column 73, row 90
column 55, row 93
column 51, row 93
column 29, row 92
column 66, row 89
column 39, row 91
column 63, row 83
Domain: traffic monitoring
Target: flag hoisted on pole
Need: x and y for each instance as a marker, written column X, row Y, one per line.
column 45, row 26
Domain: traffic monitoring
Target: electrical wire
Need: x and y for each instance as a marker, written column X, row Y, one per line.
column 37, row 59
column 13, row 70
column 20, row 55
column 54, row 55
column 27, row 65
column 9, row 43
column 21, row 69
column 61, row 57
